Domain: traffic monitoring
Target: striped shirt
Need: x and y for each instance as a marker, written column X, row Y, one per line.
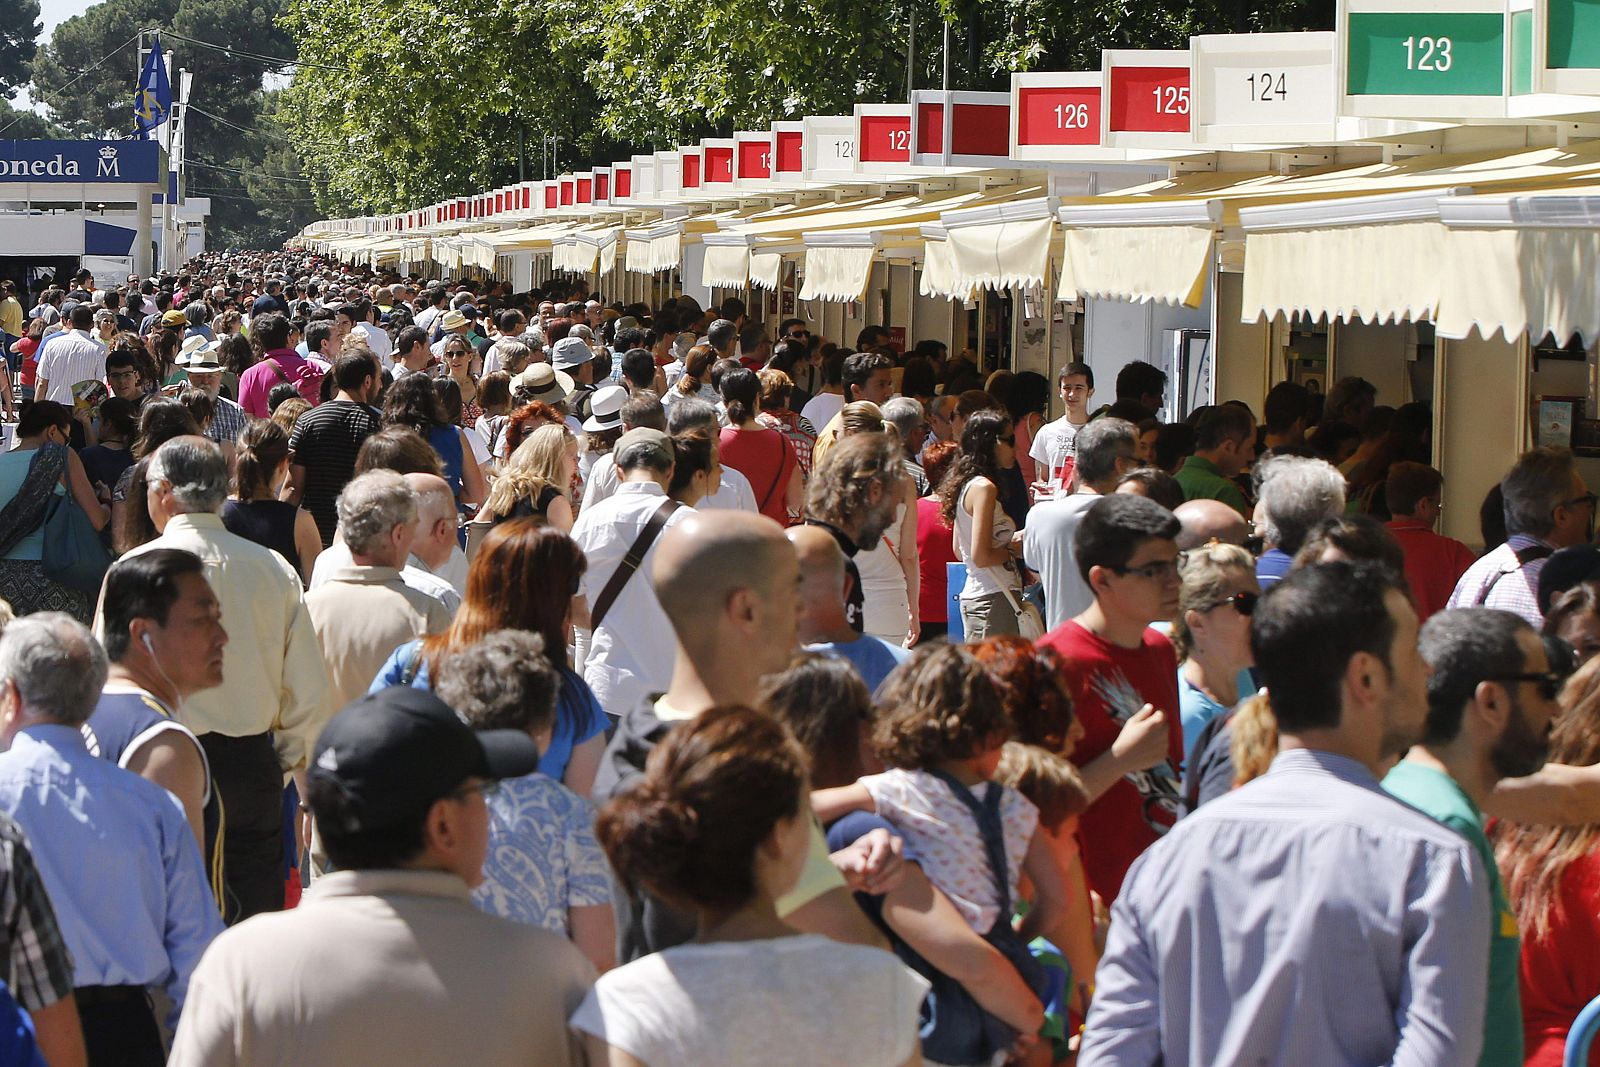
column 325, row 442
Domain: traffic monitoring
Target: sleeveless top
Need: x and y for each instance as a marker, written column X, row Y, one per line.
column 446, row 440
column 982, row 581
column 530, row 509
column 269, row 523
column 125, row 720
column 883, row 584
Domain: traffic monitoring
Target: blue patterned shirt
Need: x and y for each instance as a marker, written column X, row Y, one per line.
column 543, row 857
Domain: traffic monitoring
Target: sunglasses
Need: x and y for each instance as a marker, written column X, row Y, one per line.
column 1548, row 682
column 1243, row 603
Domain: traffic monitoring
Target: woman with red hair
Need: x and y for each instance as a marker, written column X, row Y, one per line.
column 523, row 577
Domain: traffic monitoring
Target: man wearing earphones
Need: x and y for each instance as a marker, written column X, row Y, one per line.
column 164, row 637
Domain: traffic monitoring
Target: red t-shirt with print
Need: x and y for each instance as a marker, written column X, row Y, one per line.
column 1109, row 685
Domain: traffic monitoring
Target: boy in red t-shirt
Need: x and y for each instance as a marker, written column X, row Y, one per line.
column 1124, row 681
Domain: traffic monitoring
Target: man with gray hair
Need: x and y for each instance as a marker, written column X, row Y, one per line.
column 1293, row 497
column 114, row 851
column 261, row 722
column 1105, row 452
column 904, row 413
column 1547, row 506
column 365, row 610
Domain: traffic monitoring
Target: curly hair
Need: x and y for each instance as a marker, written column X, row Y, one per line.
column 521, row 423
column 939, row 705
column 841, row 483
column 414, row 401
column 1032, row 686
column 983, row 431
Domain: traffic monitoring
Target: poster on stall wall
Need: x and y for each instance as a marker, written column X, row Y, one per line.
column 897, row 339
column 1554, row 426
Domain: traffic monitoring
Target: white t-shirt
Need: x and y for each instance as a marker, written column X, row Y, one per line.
column 1055, row 451
column 1047, row 546
column 378, row 340
column 820, row 409
column 734, row 494
column 733, row 1003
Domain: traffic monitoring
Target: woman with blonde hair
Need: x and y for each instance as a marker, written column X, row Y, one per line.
column 1211, row 635
column 535, row 480
column 1552, row 879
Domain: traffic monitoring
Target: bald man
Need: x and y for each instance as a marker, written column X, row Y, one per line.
column 824, row 626
column 727, row 581
column 431, row 549
column 1209, row 520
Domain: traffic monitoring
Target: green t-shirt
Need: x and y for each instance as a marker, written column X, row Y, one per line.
column 1201, row 480
column 1437, row 795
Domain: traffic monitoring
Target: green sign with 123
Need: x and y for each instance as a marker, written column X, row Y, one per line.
column 1425, row 53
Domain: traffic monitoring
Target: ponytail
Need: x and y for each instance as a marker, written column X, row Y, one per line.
column 262, row 446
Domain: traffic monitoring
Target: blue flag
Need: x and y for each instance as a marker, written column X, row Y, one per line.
column 152, row 101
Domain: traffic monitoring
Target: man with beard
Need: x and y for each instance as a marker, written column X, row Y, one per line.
column 1491, row 703
column 852, row 497
column 1307, row 917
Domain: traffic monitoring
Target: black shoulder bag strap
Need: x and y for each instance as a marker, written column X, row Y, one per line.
column 783, row 454
column 1524, row 557
column 630, row 562
column 986, row 813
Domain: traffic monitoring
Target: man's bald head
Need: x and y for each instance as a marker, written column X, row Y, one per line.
column 1209, row 520
column 435, row 500
column 711, row 554
column 821, row 558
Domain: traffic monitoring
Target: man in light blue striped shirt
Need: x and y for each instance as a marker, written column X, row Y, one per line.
column 1307, row 918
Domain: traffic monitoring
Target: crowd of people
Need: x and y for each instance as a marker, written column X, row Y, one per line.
column 397, row 670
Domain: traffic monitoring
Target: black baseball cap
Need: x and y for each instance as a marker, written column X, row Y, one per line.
column 393, row 753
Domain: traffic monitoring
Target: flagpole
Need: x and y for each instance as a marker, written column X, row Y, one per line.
column 168, row 209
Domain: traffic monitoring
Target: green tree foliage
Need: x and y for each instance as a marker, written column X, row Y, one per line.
column 16, row 124
column 416, row 100
column 19, row 37
column 236, row 138
column 675, row 69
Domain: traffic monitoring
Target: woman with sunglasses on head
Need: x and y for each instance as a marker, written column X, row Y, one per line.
column 1211, row 635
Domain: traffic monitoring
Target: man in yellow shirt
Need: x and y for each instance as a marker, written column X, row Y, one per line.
column 10, row 321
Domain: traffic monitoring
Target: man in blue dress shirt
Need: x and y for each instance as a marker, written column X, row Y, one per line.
column 1307, row 918
column 115, row 851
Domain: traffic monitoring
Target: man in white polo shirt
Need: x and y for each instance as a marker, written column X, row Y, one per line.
column 71, row 359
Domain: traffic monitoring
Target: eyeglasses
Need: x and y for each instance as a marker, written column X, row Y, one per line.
column 1549, row 682
column 488, row 789
column 1160, row 570
column 1586, row 500
column 1244, row 603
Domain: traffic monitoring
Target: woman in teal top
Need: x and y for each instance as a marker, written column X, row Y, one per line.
column 42, row 436
column 1212, row 635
